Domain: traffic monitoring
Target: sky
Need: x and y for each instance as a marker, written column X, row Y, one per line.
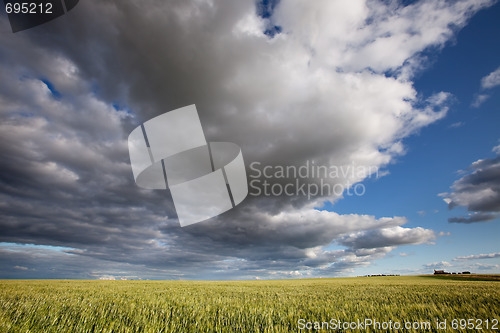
column 397, row 100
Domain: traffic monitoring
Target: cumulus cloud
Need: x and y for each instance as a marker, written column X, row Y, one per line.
column 331, row 83
column 372, row 35
column 478, row 190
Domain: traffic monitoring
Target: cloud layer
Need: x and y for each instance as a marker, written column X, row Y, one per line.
column 333, row 86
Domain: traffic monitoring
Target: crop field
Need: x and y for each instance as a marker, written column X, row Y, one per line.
column 379, row 304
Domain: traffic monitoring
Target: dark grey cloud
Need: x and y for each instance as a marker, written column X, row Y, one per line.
column 65, row 178
column 478, row 191
column 476, row 217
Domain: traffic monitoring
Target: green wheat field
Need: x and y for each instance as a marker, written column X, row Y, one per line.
column 252, row 306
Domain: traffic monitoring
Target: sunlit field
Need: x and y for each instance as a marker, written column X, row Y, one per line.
column 418, row 303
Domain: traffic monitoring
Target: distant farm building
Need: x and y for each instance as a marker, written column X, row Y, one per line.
column 440, row 271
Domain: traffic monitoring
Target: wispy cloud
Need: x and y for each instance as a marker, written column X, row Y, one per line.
column 474, row 217
column 478, row 256
column 21, row 268
column 482, row 266
column 479, row 100
column 491, row 80
column 457, row 124
column 488, row 82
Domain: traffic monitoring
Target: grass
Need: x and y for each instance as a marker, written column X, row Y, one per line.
column 241, row 306
column 467, row 277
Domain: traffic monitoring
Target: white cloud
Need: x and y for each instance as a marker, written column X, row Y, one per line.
column 479, row 256
column 490, row 267
column 491, row 80
column 457, row 124
column 340, row 36
column 386, row 237
column 479, row 100
column 438, row 265
column 22, row 268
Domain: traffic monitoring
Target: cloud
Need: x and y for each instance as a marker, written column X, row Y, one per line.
column 478, row 190
column 490, row 267
column 478, row 256
column 479, row 100
column 488, row 82
column 372, row 35
column 472, row 218
column 22, row 268
column 491, row 80
column 457, row 124
column 437, row 265
column 334, row 86
column 387, row 237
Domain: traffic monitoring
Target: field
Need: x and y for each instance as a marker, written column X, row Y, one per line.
column 250, row 306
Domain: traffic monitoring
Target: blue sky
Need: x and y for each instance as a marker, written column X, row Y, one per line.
column 383, row 85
